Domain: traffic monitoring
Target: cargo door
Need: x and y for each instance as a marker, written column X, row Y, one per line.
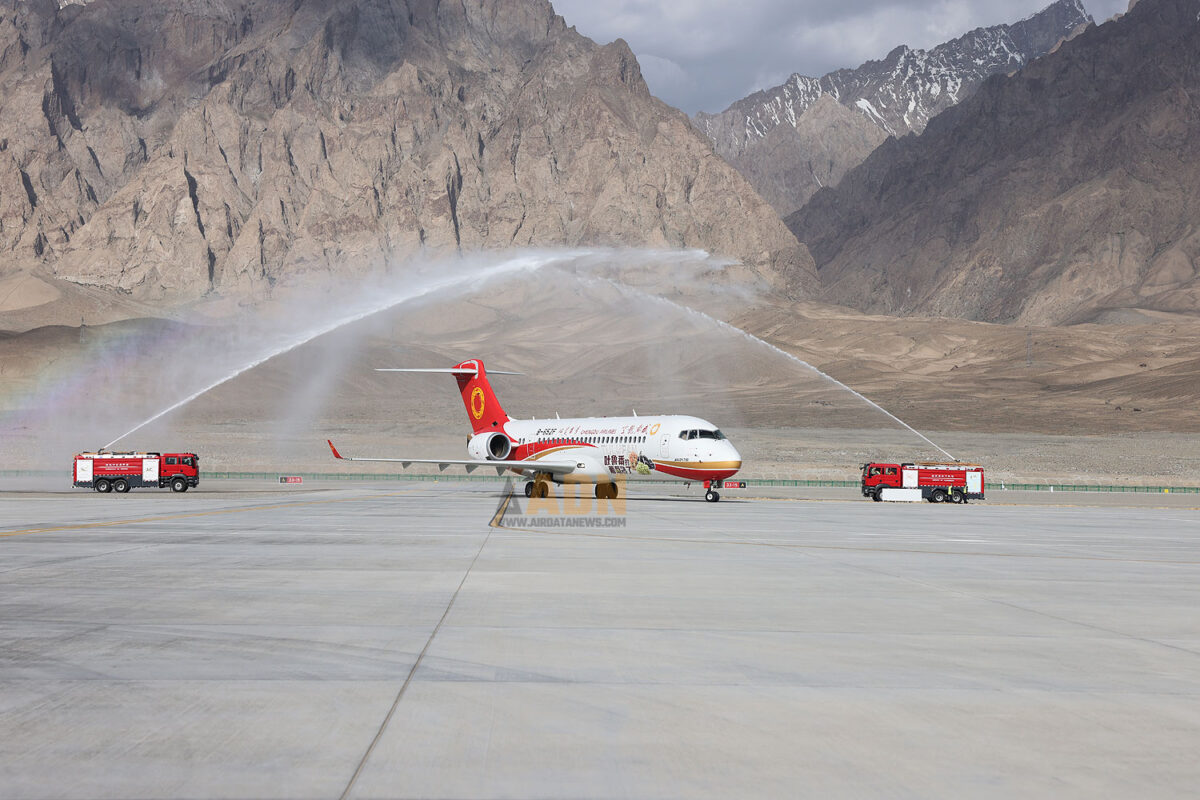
column 974, row 482
column 150, row 470
column 909, row 477
column 83, row 470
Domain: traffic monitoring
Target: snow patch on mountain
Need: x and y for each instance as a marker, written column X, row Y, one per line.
column 904, row 90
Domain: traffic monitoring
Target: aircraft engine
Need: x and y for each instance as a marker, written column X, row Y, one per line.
column 493, row 446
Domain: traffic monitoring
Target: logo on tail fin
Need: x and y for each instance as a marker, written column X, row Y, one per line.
column 477, row 397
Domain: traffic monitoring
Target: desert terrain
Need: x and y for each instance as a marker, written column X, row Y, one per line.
column 1104, row 404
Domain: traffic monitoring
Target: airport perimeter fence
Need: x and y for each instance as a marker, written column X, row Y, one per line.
column 274, row 477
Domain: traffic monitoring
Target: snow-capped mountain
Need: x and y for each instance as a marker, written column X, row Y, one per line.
column 896, row 95
column 1061, row 195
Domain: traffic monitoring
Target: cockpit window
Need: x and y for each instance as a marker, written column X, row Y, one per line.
column 701, row 434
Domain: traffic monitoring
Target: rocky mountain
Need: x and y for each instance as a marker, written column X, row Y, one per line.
column 1064, row 193
column 791, row 140
column 170, row 150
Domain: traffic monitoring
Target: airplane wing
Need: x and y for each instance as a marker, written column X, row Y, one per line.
column 553, row 467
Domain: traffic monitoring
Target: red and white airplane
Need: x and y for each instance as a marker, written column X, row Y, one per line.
column 586, row 450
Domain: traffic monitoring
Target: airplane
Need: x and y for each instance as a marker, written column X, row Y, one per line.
column 584, row 450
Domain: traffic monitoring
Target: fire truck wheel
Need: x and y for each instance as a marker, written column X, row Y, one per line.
column 938, row 496
column 877, row 495
column 712, row 496
column 956, row 497
column 121, row 485
column 179, row 485
column 103, row 486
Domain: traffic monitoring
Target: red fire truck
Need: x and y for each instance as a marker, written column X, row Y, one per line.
column 935, row 482
column 120, row 472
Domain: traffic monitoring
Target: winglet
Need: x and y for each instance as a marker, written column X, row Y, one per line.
column 336, row 454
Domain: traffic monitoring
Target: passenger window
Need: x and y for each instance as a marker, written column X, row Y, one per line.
column 172, row 461
column 891, row 470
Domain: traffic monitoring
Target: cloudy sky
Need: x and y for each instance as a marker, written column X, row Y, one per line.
column 701, row 55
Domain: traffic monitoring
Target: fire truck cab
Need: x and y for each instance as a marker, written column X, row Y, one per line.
column 106, row 472
column 954, row 483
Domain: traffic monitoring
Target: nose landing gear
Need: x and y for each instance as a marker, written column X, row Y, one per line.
column 712, row 495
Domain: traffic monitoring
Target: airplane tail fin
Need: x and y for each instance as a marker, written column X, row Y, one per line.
column 484, row 411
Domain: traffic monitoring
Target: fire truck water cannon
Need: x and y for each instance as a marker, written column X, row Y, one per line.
column 933, row 481
column 105, row 471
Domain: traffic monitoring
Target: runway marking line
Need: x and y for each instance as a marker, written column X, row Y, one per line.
column 168, row 517
column 387, row 719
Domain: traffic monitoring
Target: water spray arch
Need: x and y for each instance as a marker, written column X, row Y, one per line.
column 471, row 276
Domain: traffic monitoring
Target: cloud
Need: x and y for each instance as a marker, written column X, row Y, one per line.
column 666, row 76
column 705, row 54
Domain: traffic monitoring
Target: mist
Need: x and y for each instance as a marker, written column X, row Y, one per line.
column 595, row 332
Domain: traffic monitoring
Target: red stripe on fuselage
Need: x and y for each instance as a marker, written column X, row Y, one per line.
column 694, row 473
column 526, row 451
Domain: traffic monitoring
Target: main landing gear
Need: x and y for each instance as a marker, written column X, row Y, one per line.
column 606, row 491
column 538, row 488
column 541, row 488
